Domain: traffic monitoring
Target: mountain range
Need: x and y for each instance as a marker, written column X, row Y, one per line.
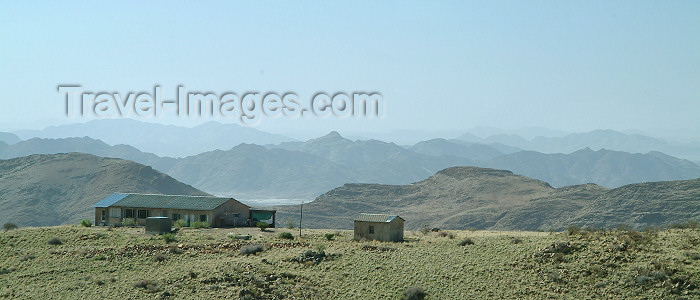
column 481, row 198
column 51, row 189
column 45, row 190
column 304, row 170
column 596, row 139
column 162, row 140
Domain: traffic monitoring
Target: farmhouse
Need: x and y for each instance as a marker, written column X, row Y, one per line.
column 217, row 211
column 387, row 228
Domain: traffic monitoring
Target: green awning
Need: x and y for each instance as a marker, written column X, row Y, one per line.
column 262, row 214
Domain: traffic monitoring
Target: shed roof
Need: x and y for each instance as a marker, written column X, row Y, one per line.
column 162, row 201
column 376, row 218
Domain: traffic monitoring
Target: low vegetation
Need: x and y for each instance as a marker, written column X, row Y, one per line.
column 9, row 226
column 86, row 223
column 251, row 249
column 286, row 235
column 262, row 225
column 94, row 262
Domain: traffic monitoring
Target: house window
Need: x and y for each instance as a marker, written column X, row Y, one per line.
column 104, row 215
column 371, row 230
column 143, row 213
column 176, row 217
column 202, row 218
column 129, row 213
column 115, row 212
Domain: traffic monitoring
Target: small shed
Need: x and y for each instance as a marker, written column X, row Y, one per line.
column 381, row 227
column 158, row 225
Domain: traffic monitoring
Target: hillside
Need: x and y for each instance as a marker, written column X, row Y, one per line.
column 604, row 167
column 376, row 161
column 305, row 170
column 41, row 190
column 442, row 147
column 252, row 171
column 470, row 197
column 100, row 262
column 9, row 138
column 85, row 145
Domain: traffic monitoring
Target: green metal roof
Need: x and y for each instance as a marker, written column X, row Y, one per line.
column 169, row 201
column 376, row 218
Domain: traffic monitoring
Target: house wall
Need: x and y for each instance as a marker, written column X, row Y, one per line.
column 230, row 206
column 387, row 232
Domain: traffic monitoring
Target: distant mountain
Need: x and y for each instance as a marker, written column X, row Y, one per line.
column 9, row 138
column 44, row 190
column 603, row 167
column 304, row 170
column 85, row 145
column 469, row 197
column 376, row 161
column 251, row 171
column 596, row 139
column 163, row 140
column 442, row 147
column 527, row 132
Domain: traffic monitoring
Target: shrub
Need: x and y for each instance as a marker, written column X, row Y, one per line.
column 466, row 241
column 291, row 223
column 516, row 240
column 9, row 226
column 27, row 257
column 442, row 234
column 321, row 248
column 168, row 238
column 55, row 241
column 425, row 230
column 286, row 235
column 329, row 236
column 160, row 257
column 414, row 293
column 573, row 229
column 312, row 257
column 100, row 257
column 180, row 223
column 251, row 249
column 692, row 255
column 691, row 224
column 129, row 222
column 262, row 225
column 148, row 285
column 86, row 223
column 451, row 236
column 200, row 225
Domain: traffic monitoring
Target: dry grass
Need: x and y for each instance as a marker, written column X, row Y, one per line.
column 206, row 263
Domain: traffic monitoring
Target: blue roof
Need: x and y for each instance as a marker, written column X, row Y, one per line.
column 110, row 200
column 163, row 201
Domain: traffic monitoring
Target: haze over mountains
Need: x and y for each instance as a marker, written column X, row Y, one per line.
column 596, row 139
column 303, row 170
column 163, row 140
column 488, row 184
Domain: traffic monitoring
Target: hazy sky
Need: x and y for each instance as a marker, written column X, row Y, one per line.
column 568, row 65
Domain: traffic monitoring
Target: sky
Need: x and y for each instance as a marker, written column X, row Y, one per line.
column 439, row 65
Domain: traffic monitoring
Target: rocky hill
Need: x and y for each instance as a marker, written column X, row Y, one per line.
column 42, row 190
column 470, row 197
